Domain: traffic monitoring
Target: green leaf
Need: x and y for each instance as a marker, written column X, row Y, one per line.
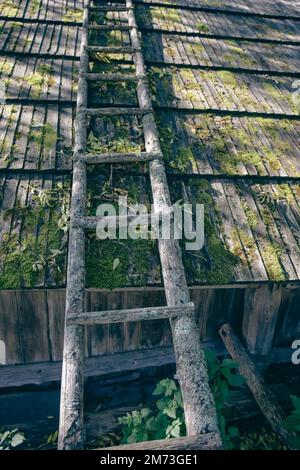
column 233, row 432
column 116, row 263
column 162, row 404
column 171, row 412
column 17, row 440
column 296, row 401
column 145, row 412
column 237, row 380
column 230, row 364
column 295, row 442
column 159, row 389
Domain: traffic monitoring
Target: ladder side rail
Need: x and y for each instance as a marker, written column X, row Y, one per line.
column 71, row 427
column 199, row 407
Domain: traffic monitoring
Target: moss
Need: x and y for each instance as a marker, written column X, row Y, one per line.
column 119, row 144
column 44, row 137
column 9, row 8
column 224, row 134
column 160, row 80
column 238, row 54
column 173, row 15
column 22, row 261
column 167, row 138
column 221, row 262
column 34, row 6
column 251, row 216
column 272, row 158
column 284, row 193
column 243, row 244
column 132, row 266
column 7, row 150
column 184, row 159
column 40, row 249
column 73, row 14
column 202, row 28
column 273, row 89
column 6, row 66
column 262, row 440
column 40, row 80
column 271, row 257
column 228, row 78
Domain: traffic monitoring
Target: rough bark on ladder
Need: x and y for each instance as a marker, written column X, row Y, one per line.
column 199, row 408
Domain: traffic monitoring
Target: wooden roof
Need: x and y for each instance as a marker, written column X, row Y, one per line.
column 221, row 76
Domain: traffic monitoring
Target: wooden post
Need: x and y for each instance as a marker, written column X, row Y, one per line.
column 265, row 399
column 199, row 408
column 71, row 427
column 261, row 306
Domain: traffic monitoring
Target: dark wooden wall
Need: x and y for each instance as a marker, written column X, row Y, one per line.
column 31, row 321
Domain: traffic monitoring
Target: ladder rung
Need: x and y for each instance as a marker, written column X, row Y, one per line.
column 132, row 315
column 113, row 50
column 120, row 157
column 91, row 222
column 108, row 27
column 111, row 77
column 110, row 8
column 118, row 111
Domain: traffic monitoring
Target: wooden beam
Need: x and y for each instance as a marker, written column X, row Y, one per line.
column 131, row 315
column 111, row 77
column 109, row 27
column 109, row 8
column 262, row 394
column 91, row 159
column 261, row 307
column 209, row 441
column 112, row 50
column 45, row 372
column 117, row 111
column 91, row 222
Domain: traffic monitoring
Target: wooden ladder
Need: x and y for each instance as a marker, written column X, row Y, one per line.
column 200, row 414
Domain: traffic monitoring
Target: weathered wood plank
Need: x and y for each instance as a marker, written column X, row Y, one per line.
column 131, row 315
column 261, row 307
column 209, row 441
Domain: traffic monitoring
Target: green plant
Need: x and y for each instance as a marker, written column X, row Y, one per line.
column 203, row 28
column 166, row 418
column 55, row 197
column 121, row 144
column 262, row 440
column 222, row 378
column 164, row 421
column 292, row 422
column 11, row 439
column 40, row 80
column 50, row 442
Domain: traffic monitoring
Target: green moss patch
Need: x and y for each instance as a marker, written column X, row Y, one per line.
column 39, row 250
